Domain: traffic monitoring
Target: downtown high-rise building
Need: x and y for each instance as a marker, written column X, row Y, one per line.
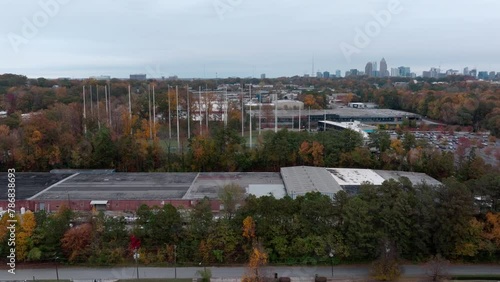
column 369, row 69
column 404, row 71
column 394, row 72
column 383, row 68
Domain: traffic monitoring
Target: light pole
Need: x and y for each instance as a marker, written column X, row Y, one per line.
column 175, row 261
column 332, row 254
column 57, row 270
column 136, row 257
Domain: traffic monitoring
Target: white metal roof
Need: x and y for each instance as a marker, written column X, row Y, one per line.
column 98, row 202
column 347, row 176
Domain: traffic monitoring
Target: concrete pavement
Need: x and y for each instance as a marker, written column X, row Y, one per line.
column 339, row 272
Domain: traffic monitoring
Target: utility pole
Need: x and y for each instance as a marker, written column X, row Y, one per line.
column 242, row 111
column 309, row 126
column 300, row 118
column 91, row 102
column 130, row 109
column 250, row 115
column 149, row 111
column 106, row 99
column 226, row 110
column 109, row 101
column 199, row 108
column 169, row 116
column 276, row 116
column 207, row 110
column 84, row 112
column 260, row 114
column 154, row 112
column 178, row 131
column 188, row 115
column 98, row 106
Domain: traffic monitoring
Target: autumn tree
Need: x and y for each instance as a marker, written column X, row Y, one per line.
column 258, row 257
column 24, row 241
column 231, row 196
column 76, row 243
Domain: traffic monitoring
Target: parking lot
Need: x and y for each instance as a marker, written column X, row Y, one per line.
column 461, row 143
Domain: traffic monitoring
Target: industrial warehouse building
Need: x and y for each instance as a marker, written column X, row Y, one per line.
column 290, row 118
column 108, row 190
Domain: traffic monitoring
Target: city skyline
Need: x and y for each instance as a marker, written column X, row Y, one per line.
column 209, row 38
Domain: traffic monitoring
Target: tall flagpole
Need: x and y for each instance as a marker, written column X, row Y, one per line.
column 154, row 111
column 250, row 93
column 149, row 106
column 188, row 114
column 98, row 106
column 199, row 107
column 84, row 112
column 177, row 104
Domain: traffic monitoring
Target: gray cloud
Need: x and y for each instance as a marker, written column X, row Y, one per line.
column 191, row 39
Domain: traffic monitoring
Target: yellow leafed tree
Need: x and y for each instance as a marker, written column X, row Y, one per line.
column 258, row 256
column 28, row 225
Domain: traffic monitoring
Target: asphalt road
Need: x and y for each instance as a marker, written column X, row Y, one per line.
column 358, row 271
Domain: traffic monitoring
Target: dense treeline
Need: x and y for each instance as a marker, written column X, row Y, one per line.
column 54, row 139
column 416, row 222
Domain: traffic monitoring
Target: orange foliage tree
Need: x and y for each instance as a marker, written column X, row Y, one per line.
column 258, row 256
column 76, row 242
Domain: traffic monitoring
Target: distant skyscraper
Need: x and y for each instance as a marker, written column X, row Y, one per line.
column 482, row 75
column 404, row 72
column 326, row 74
column 354, row 72
column 319, row 74
column 466, row 71
column 434, row 73
column 395, row 72
column 491, row 75
column 383, row 68
column 369, row 69
column 473, row 73
column 263, row 76
column 338, row 73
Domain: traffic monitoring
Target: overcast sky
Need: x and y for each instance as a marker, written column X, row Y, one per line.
column 199, row 38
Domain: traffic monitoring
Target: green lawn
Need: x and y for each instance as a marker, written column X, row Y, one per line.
column 476, row 277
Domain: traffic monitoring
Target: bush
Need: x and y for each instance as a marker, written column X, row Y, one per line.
column 386, row 270
column 437, row 268
column 205, row 274
column 320, row 279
